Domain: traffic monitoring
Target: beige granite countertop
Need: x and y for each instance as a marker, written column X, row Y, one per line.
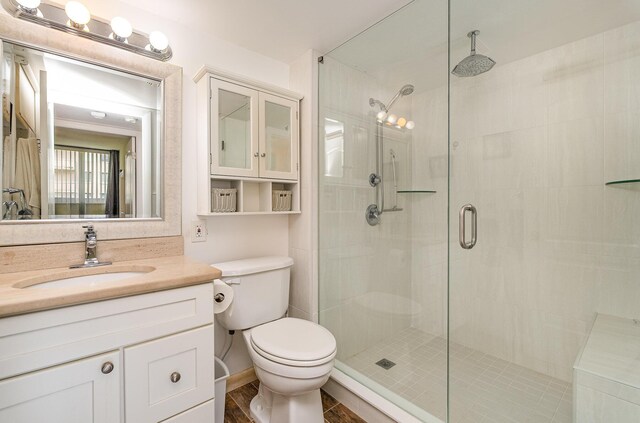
column 162, row 273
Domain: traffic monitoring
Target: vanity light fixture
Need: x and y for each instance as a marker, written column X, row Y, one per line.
column 391, row 119
column 78, row 14
column 121, row 28
column 158, row 42
column 75, row 18
column 29, row 6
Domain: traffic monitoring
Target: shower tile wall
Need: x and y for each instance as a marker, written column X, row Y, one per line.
column 533, row 143
column 365, row 272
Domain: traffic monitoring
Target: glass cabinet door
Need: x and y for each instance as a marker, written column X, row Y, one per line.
column 234, row 129
column 278, row 137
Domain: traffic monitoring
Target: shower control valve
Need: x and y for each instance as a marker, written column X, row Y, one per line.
column 374, row 180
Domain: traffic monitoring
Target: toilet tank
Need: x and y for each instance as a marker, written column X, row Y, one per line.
column 260, row 291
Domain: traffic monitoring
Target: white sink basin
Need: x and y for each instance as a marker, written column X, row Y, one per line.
column 84, row 277
column 85, row 281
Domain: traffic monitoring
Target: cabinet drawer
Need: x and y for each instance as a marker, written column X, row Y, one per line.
column 38, row 340
column 204, row 413
column 168, row 375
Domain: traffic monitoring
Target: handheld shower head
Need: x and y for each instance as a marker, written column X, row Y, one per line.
column 407, row 90
column 404, row 91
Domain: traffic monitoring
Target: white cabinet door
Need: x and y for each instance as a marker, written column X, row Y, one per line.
column 77, row 392
column 169, row 375
column 278, row 137
column 234, row 129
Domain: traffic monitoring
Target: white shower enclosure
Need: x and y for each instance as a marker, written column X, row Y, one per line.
column 537, row 159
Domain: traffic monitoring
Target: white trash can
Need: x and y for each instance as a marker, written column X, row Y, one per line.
column 221, row 375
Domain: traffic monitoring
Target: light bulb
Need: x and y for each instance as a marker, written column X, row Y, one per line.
column 410, row 125
column 392, row 119
column 78, row 14
column 29, row 5
column 158, row 41
column 401, row 122
column 381, row 115
column 121, row 28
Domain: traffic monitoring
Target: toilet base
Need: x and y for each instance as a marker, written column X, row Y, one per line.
column 269, row 406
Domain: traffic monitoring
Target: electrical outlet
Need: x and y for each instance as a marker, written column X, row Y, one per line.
column 198, row 231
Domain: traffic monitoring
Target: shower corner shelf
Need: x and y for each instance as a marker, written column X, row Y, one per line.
column 415, row 191
column 623, row 181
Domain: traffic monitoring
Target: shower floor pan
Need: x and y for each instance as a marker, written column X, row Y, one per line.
column 483, row 388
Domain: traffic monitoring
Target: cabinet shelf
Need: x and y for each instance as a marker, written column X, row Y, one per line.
column 260, row 213
column 415, row 191
column 623, row 181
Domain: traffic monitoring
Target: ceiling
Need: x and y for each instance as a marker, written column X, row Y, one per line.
column 412, row 45
column 280, row 29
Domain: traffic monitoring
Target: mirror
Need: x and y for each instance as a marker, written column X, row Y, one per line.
column 234, row 129
column 278, row 136
column 79, row 141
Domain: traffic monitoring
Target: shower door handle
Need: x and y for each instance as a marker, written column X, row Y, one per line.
column 474, row 226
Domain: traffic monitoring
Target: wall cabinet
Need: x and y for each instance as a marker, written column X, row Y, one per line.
column 248, row 141
column 150, row 359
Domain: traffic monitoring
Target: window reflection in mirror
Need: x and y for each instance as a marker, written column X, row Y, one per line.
column 79, row 141
column 334, row 148
column 235, row 129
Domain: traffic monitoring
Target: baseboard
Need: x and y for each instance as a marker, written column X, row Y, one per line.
column 240, row 379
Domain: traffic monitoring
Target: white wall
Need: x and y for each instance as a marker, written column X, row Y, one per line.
column 233, row 237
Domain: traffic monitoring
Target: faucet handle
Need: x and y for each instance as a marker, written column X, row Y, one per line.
column 89, row 229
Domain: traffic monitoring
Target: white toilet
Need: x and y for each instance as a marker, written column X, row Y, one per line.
column 292, row 357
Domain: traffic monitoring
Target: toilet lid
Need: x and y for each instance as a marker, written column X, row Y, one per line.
column 293, row 340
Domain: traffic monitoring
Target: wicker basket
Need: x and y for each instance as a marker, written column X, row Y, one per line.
column 281, row 200
column 223, row 200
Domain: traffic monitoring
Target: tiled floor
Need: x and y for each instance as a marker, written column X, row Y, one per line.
column 483, row 388
column 237, row 407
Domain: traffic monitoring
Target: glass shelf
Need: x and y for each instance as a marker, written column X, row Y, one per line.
column 623, row 181
column 415, row 191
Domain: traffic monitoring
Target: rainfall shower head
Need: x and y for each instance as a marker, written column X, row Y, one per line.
column 474, row 64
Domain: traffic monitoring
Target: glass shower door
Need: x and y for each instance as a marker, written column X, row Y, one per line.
column 535, row 143
column 383, row 142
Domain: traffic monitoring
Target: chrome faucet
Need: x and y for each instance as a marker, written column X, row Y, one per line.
column 8, row 205
column 91, row 247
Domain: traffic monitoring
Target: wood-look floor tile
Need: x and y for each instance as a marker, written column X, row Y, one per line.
column 341, row 414
column 233, row 413
column 327, row 401
column 243, row 396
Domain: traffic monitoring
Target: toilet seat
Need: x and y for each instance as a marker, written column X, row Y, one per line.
column 293, row 342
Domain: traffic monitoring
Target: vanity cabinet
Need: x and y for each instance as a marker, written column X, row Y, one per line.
column 248, row 143
column 141, row 359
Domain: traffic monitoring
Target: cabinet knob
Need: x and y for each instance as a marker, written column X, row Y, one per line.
column 175, row 377
column 107, row 367
column 263, row 155
column 256, row 154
